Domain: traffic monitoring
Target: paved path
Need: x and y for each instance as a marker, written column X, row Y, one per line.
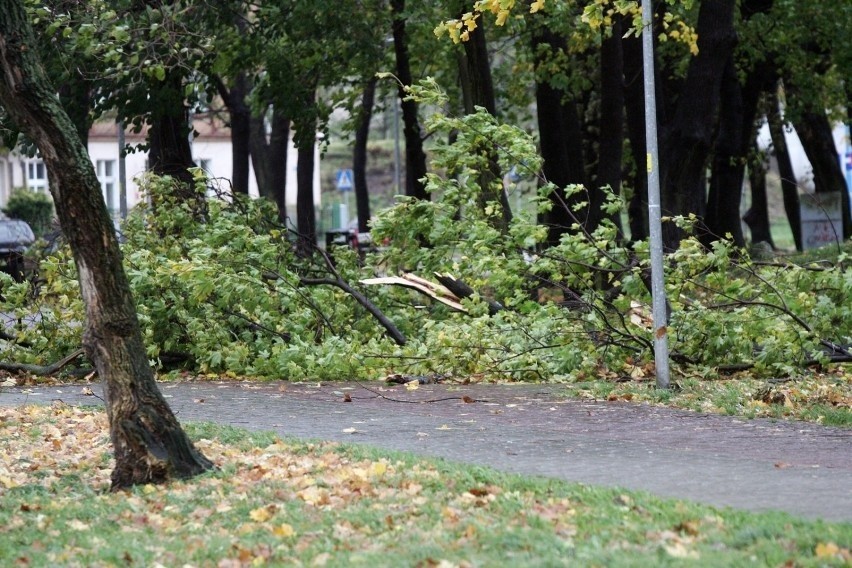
column 801, row 468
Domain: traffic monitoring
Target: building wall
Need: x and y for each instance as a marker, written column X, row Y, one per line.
column 210, row 150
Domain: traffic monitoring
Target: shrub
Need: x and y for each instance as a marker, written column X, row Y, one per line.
column 36, row 208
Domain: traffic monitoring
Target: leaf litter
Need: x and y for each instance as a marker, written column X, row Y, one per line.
column 287, row 503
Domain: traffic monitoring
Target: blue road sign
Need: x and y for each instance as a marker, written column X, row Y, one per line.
column 344, row 180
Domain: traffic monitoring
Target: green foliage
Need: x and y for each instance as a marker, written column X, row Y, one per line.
column 36, row 208
column 226, row 291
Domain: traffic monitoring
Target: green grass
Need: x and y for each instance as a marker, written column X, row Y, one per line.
column 286, row 503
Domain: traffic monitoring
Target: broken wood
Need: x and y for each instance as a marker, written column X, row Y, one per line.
column 435, row 291
column 462, row 290
column 40, row 370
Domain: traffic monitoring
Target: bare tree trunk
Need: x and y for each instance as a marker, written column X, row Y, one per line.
column 789, row 186
column 149, row 444
column 611, row 128
column 359, row 156
column 415, row 157
column 240, row 115
column 689, row 138
column 305, row 208
column 560, row 139
column 269, row 158
column 169, row 152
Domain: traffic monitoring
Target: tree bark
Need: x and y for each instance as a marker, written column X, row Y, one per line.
column 689, row 138
column 415, row 157
column 815, row 133
column 359, row 156
column 149, row 444
column 560, row 139
column 789, row 185
column 478, row 91
column 240, row 118
column 169, row 152
column 757, row 217
column 722, row 216
column 269, row 158
column 305, row 212
column 611, row 128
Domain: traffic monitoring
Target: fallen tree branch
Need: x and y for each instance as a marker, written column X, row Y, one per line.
column 389, row 326
column 40, row 370
column 435, row 291
column 462, row 290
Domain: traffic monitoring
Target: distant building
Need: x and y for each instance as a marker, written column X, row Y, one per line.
column 211, row 150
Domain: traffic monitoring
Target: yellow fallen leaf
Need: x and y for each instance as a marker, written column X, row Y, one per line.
column 260, row 515
column 349, row 430
column 148, row 488
column 378, row 468
column 443, row 427
column 826, row 550
column 412, row 385
column 283, row 530
column 8, row 482
column 77, row 525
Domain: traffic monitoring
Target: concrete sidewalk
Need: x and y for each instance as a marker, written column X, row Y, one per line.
column 801, row 468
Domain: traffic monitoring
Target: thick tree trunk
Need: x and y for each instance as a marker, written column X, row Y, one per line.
column 728, row 166
column 689, row 138
column 815, row 133
column 561, row 142
column 789, row 185
column 634, row 92
column 478, row 91
column 269, row 158
column 240, row 115
column 757, row 217
column 415, row 157
column 169, row 152
column 611, row 127
column 149, row 444
column 305, row 212
column 359, row 156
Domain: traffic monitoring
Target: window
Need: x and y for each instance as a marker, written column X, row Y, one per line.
column 106, row 175
column 36, row 175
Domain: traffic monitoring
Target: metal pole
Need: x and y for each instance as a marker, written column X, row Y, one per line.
column 396, row 157
column 122, row 172
column 658, row 288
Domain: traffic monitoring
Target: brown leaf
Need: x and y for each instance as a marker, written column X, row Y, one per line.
column 468, row 400
column 661, row 332
column 347, row 398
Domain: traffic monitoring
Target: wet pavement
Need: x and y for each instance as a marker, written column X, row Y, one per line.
column 802, row 468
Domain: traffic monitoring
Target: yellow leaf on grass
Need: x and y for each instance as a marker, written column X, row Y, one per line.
column 826, row 550
column 8, row 482
column 260, row 515
column 378, row 468
column 283, row 530
column 77, row 525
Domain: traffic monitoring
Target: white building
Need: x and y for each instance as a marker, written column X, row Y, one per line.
column 211, row 150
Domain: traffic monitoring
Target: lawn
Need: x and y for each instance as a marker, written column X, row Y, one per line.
column 278, row 502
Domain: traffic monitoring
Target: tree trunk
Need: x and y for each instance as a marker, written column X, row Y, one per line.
column 305, row 212
column 169, row 152
column 478, row 91
column 415, row 157
column 689, row 139
column 757, row 217
column 815, row 133
column 789, row 186
column 722, row 216
column 359, row 156
column 149, row 444
column 240, row 115
column 269, row 158
column 634, row 93
column 560, row 139
column 611, row 128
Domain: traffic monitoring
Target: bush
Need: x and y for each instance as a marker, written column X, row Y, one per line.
column 34, row 207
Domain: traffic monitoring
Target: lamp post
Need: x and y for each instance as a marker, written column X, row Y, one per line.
column 658, row 288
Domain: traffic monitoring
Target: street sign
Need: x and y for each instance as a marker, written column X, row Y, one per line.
column 344, row 180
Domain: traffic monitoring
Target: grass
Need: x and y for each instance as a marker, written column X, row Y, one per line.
column 278, row 503
column 824, row 397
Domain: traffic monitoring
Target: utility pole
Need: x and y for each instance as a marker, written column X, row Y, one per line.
column 658, row 287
